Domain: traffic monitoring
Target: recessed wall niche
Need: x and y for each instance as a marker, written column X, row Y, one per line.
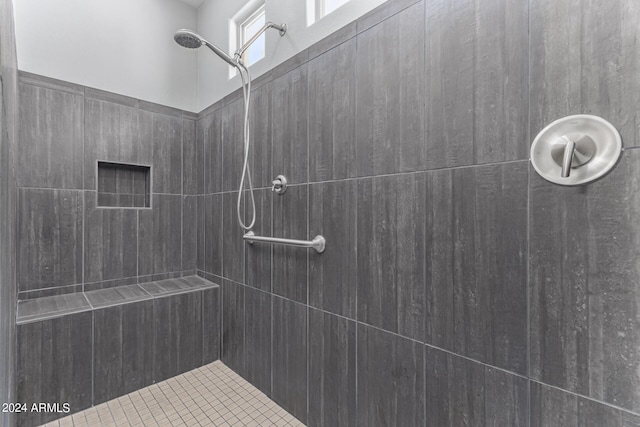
column 123, row 185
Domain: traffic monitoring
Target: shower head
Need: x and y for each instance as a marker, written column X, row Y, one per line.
column 191, row 40
column 188, row 39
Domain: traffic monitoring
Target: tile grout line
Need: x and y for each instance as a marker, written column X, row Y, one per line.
column 528, row 271
column 364, row 324
column 394, row 174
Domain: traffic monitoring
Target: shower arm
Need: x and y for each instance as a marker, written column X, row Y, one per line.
column 282, row 28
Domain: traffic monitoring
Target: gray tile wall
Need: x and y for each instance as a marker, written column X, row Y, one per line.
column 67, row 243
column 8, row 199
column 65, row 238
column 457, row 287
column 88, row 358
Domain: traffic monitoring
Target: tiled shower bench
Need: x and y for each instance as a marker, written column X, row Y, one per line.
column 89, row 347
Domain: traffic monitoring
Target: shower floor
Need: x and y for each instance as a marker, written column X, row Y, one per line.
column 212, row 395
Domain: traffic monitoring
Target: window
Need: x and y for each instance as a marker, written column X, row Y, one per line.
column 325, row 7
column 318, row 9
column 248, row 29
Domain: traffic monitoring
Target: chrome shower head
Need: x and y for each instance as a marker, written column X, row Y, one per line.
column 188, row 39
column 191, row 40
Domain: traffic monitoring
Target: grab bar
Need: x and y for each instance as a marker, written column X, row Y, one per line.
column 318, row 243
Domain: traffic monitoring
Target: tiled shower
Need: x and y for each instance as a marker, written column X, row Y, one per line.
column 457, row 287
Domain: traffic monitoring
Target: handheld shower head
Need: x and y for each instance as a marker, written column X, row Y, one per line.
column 188, row 39
column 191, row 40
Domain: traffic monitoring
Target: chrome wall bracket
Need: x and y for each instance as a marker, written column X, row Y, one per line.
column 576, row 150
column 279, row 185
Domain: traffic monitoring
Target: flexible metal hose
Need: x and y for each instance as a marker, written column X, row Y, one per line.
column 246, row 173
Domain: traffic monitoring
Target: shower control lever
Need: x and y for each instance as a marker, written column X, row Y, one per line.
column 575, row 153
column 569, row 149
column 279, row 185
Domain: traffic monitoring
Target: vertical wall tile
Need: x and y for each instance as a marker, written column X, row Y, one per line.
column 476, row 82
column 477, row 258
column 574, row 71
column 289, row 124
column 49, row 238
column 123, row 350
column 462, row 392
column 258, row 257
column 390, row 379
column 380, row 13
column 332, row 274
column 233, row 313
column 177, row 334
column 111, row 243
column 211, row 324
column 115, row 133
column 290, row 357
column 332, row 370
column 202, row 233
column 585, row 332
column 391, row 236
column 167, row 153
column 8, row 212
column 160, row 236
column 553, row 407
column 232, row 141
column 212, row 226
column 261, row 134
column 54, row 365
column 390, row 95
column 332, row 108
column 210, row 128
column 189, row 233
column 50, row 138
column 192, row 158
column 233, row 244
column 258, row 338
column 290, row 263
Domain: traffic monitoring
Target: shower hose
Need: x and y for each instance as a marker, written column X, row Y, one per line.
column 246, row 173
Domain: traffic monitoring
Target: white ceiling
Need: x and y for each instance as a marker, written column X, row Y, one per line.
column 192, row 3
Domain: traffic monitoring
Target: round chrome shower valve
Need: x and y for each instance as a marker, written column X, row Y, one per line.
column 576, row 150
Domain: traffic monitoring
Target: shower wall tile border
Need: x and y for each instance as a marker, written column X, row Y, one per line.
column 152, row 107
column 383, row 12
column 102, row 95
column 49, row 83
column 290, row 64
column 334, row 39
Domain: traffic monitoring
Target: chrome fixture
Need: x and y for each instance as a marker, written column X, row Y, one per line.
column 318, row 243
column 576, row 150
column 279, row 185
column 282, row 28
column 191, row 40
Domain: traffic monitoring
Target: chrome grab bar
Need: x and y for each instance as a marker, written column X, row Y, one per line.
column 318, row 243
